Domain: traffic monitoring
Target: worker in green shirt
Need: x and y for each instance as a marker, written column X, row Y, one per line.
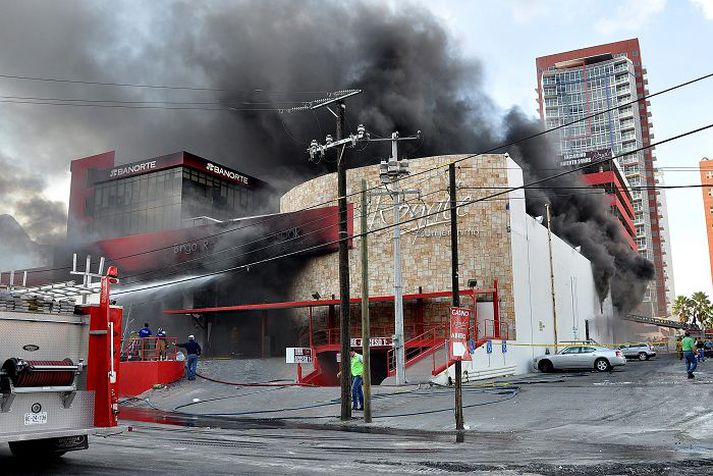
column 357, row 368
column 688, row 346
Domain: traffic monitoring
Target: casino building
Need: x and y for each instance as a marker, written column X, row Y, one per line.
column 505, row 257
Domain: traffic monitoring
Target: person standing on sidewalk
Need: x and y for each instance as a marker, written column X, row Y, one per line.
column 357, row 371
column 193, row 349
column 700, row 351
column 357, row 368
column 688, row 346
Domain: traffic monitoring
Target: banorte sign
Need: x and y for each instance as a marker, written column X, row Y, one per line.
column 458, row 335
column 227, row 173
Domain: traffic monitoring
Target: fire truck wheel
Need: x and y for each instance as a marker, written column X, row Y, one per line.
column 34, row 449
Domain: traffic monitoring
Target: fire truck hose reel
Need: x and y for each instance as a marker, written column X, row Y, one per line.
column 40, row 373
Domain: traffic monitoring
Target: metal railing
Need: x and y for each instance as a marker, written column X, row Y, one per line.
column 419, row 346
column 149, row 348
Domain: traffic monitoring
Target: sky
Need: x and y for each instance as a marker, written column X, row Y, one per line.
column 505, row 36
column 675, row 38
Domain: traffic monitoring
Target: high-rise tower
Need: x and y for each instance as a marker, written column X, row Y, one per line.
column 576, row 84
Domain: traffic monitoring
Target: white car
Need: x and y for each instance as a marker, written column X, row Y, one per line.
column 582, row 356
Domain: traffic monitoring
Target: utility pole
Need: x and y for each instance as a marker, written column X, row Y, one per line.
column 552, row 275
column 391, row 172
column 344, row 336
column 456, row 290
column 345, row 375
column 365, row 331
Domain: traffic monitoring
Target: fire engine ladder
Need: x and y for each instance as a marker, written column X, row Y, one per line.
column 58, row 291
column 657, row 321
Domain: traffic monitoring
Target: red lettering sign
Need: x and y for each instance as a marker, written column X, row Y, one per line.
column 458, row 338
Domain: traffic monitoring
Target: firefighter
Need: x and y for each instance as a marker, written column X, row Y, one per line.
column 146, row 344
column 161, row 343
column 193, row 349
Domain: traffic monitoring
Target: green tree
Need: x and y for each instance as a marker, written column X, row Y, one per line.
column 701, row 308
column 682, row 308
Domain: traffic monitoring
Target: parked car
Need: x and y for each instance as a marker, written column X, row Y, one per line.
column 638, row 351
column 601, row 359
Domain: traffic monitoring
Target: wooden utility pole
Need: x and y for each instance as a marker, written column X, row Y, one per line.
column 365, row 331
column 455, row 287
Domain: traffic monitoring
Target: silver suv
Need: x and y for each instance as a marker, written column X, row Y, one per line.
column 638, row 351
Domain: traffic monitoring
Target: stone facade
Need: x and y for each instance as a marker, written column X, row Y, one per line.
column 485, row 245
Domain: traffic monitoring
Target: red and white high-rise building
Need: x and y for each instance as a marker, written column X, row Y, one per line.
column 577, row 84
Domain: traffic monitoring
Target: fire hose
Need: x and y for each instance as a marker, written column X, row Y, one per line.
column 40, row 373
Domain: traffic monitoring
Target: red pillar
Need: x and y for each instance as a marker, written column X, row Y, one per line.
column 496, row 309
column 103, row 358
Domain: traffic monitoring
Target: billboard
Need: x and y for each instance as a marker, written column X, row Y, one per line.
column 582, row 158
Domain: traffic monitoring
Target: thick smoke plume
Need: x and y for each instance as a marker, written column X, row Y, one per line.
column 266, row 54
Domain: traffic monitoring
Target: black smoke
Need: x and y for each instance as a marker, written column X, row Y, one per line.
column 579, row 217
column 274, row 54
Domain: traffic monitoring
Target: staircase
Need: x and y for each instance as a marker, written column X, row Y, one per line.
column 419, row 347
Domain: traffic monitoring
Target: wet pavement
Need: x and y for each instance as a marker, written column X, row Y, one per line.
column 645, row 419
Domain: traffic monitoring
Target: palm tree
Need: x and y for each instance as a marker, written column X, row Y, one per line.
column 682, row 308
column 701, row 307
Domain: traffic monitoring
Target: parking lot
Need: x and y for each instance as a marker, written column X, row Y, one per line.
column 645, row 418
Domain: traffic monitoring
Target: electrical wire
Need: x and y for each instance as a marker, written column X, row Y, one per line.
column 438, row 168
column 146, row 86
column 458, row 205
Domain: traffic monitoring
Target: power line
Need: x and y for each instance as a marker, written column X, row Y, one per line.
column 145, row 85
column 118, row 101
column 386, row 227
column 437, row 168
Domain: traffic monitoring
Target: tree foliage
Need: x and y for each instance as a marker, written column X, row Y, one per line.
column 696, row 309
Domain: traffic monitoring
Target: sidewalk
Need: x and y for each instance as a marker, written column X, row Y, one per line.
column 641, row 403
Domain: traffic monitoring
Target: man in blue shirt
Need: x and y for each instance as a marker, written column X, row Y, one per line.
column 145, row 345
column 193, row 349
column 145, row 331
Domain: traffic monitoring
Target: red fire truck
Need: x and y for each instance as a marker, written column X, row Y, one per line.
column 60, row 360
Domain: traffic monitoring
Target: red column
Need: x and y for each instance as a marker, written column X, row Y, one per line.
column 496, row 310
column 104, row 330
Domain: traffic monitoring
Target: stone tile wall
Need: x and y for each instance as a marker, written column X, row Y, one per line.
column 484, row 238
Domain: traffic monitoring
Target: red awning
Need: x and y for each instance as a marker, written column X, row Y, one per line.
column 322, row 302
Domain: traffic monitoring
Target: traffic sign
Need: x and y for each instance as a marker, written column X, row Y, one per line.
column 489, row 346
column 458, row 338
column 505, row 346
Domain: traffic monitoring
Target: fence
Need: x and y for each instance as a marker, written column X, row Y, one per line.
column 150, row 348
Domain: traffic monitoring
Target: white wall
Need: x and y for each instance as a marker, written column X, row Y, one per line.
column 576, row 297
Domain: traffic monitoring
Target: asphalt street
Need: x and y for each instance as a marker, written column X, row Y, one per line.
column 645, row 419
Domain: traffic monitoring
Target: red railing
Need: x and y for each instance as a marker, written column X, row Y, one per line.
column 419, row 347
column 331, row 335
column 150, row 348
column 481, row 333
column 486, row 329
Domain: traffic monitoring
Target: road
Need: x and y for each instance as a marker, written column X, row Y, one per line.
column 646, row 419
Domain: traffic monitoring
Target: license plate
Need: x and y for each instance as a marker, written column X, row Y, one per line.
column 36, row 418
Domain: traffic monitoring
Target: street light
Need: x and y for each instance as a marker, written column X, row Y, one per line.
column 390, row 173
